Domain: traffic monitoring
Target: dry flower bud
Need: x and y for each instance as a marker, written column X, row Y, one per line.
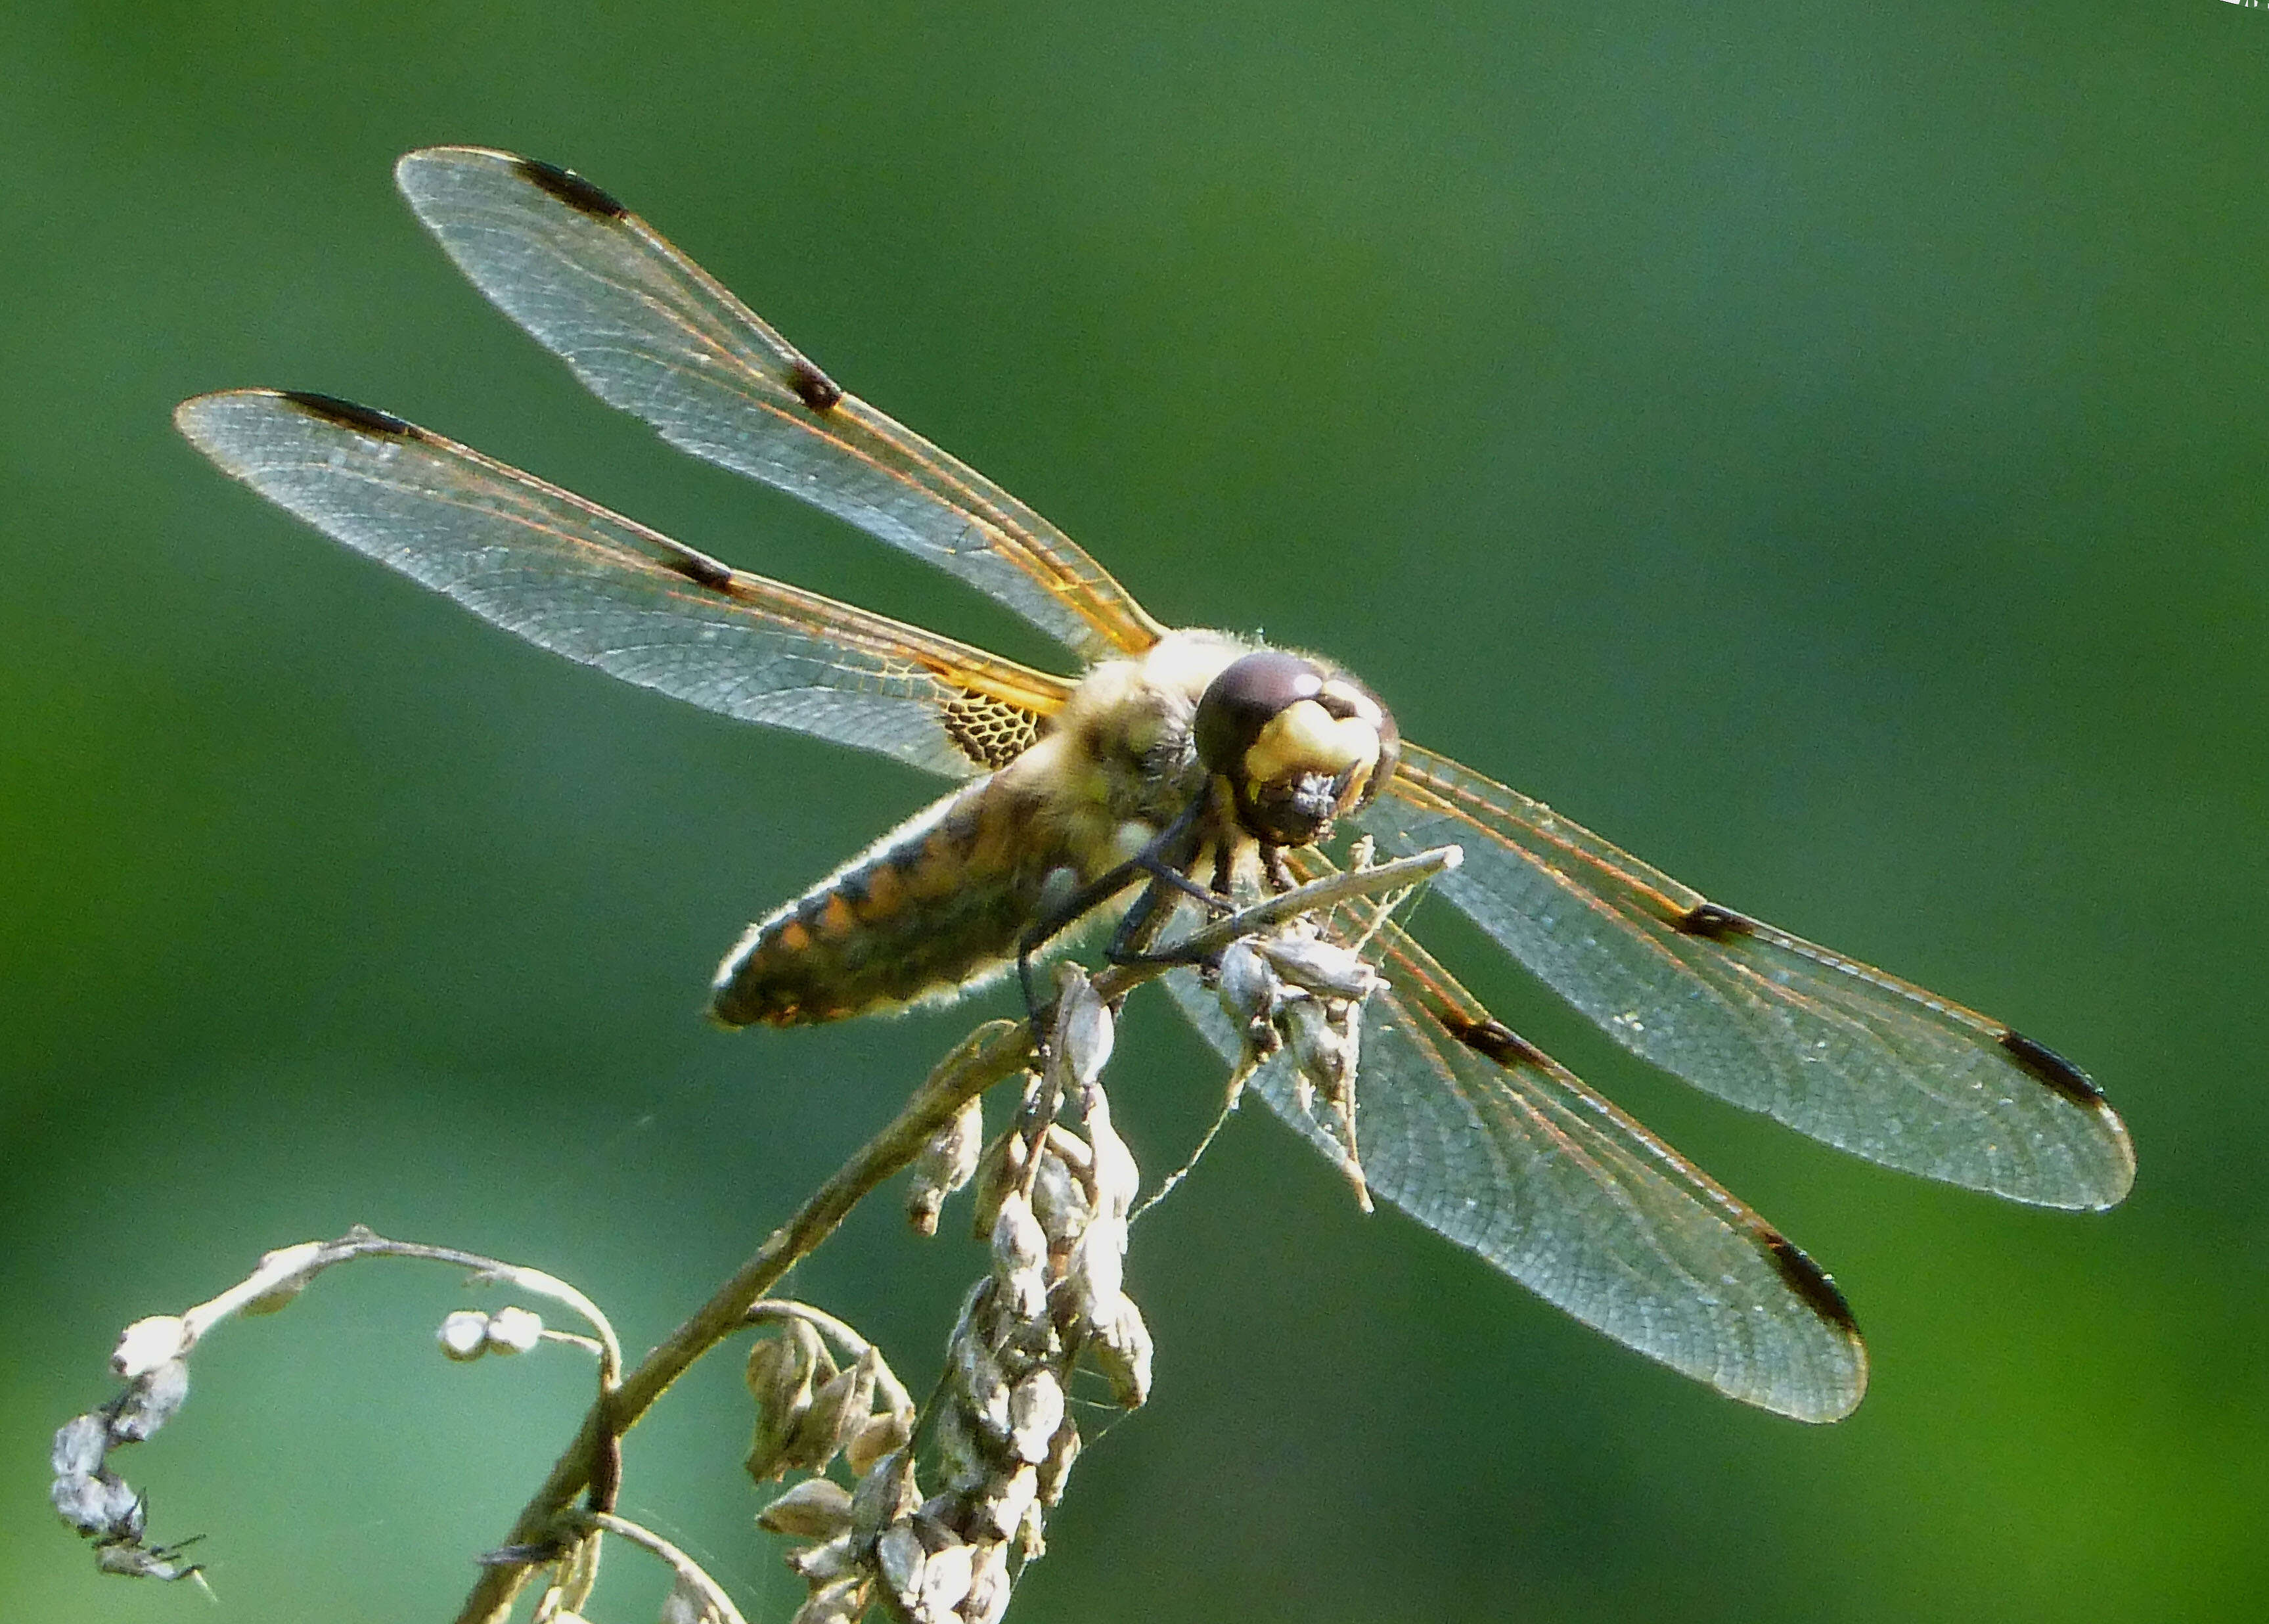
column 983, row 1385
column 99, row 1506
column 830, row 1561
column 1059, row 1199
column 464, row 1334
column 883, row 1496
column 1245, row 986
column 1000, row 1512
column 838, row 1601
column 780, row 1374
column 999, row 1170
column 989, row 1585
column 514, row 1330
column 1116, row 1179
column 945, row 1580
column 148, row 1343
column 838, row 1406
column 875, row 1438
column 900, row 1559
column 1055, row 1471
column 1121, row 1346
column 151, row 1402
column 1084, row 1029
column 1036, row 1409
column 816, row 1509
column 79, row 1446
column 962, row 1456
column 1020, row 1249
column 1098, row 1272
column 947, row 1162
column 1321, row 967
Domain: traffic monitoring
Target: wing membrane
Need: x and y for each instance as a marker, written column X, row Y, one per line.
column 649, row 331
column 575, row 577
column 1488, row 1141
column 1832, row 1047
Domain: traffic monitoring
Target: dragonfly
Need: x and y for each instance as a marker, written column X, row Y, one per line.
column 1247, row 751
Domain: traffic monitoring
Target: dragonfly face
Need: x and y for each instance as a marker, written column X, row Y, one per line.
column 1473, row 1130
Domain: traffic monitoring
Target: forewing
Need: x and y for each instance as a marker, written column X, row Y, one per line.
column 575, row 577
column 651, row 332
column 1487, row 1141
column 1830, row 1046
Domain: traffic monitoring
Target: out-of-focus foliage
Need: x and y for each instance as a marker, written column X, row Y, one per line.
column 1822, row 448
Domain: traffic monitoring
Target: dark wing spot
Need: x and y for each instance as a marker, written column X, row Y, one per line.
column 990, row 732
column 1713, row 922
column 2050, row 1069
column 1492, row 1040
column 569, row 188
column 699, row 568
column 1816, row 1285
column 347, row 414
column 813, row 388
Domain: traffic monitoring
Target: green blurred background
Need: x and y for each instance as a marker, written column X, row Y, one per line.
column 1822, row 447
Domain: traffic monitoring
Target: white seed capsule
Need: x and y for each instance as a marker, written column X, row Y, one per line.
column 945, row 1580
column 1020, row 1253
column 79, row 1447
column 900, row 1559
column 1122, row 1353
column 1000, row 1513
column 148, row 1343
column 464, row 1334
column 1098, row 1271
column 514, row 1330
column 1036, row 1409
column 1321, row 967
column 1084, row 1031
column 989, row 1585
column 151, row 1402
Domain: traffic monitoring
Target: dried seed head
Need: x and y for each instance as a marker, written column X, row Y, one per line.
column 1020, row 1255
column 883, row 1496
column 999, row 1170
column 514, row 1330
column 1036, row 1409
column 781, row 1375
column 148, row 1343
column 945, row 1580
column 1084, row 1030
column 464, row 1334
column 1098, row 1271
column 876, row 1437
column 1059, row 1199
column 79, row 1446
column 838, row 1601
column 1000, row 1511
column 989, row 1584
column 1323, row 968
column 1121, row 1346
column 1063, row 1449
column 1247, row 986
column 151, row 1402
column 816, row 1509
column 842, row 1559
column 1115, row 1178
column 900, row 1559
column 947, row 1162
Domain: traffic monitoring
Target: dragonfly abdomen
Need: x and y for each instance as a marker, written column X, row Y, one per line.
column 937, row 903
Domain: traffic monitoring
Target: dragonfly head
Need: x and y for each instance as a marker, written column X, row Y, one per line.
column 1300, row 744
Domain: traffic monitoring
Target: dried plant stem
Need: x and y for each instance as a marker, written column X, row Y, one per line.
column 990, row 1055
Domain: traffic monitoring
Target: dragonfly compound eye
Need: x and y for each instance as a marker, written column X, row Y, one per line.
column 1299, row 744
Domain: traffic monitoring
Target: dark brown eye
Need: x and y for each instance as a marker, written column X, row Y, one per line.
column 1244, row 699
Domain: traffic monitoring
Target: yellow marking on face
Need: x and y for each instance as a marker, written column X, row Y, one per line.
column 1304, row 737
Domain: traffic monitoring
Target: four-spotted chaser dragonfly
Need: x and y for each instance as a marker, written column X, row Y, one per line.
column 1470, row 1129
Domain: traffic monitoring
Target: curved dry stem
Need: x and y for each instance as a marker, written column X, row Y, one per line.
column 990, row 1055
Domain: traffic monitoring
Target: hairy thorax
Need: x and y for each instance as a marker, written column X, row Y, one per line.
column 940, row 901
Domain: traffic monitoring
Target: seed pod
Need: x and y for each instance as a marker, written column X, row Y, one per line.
column 464, row 1335
column 1055, row 1471
column 80, row 1444
column 1020, row 1253
column 1121, row 1347
column 947, row 1162
column 816, row 1509
column 1036, row 1409
column 900, row 1559
column 515, row 1331
column 989, row 1584
column 148, row 1343
column 945, row 1580
column 876, row 1437
column 151, row 1402
column 1000, row 1511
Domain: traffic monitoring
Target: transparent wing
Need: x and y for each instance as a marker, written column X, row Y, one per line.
column 1830, row 1046
column 571, row 576
column 649, row 331
column 1485, row 1140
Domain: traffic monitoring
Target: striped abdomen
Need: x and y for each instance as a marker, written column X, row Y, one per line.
column 936, row 903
